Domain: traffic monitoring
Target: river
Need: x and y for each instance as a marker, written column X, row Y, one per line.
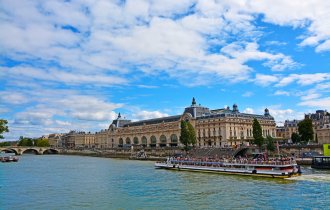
column 74, row 182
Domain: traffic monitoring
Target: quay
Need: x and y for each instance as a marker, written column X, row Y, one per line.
column 151, row 154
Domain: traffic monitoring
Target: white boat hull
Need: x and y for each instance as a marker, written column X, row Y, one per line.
column 229, row 170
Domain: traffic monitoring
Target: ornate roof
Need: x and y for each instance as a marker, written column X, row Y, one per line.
column 154, row 121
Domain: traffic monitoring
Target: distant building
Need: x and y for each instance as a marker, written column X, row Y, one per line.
column 55, row 140
column 78, row 140
column 323, row 134
column 214, row 128
column 321, row 121
column 280, row 132
column 291, row 126
column 101, row 139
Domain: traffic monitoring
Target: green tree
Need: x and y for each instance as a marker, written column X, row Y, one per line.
column 23, row 141
column 270, row 143
column 257, row 133
column 316, row 138
column 305, row 129
column 295, row 137
column 4, row 144
column 192, row 133
column 3, row 127
column 184, row 135
column 42, row 143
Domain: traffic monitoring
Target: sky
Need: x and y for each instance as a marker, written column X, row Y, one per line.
column 74, row 65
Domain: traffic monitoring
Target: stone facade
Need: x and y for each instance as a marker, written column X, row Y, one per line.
column 214, row 128
column 290, row 126
column 101, row 139
column 321, row 121
column 55, row 140
column 323, row 134
column 78, row 140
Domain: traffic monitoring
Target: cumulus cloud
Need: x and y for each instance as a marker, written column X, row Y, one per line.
column 280, row 115
column 323, row 103
column 265, row 80
column 248, row 111
column 144, row 115
column 108, row 37
column 281, row 93
column 303, row 79
column 13, row 97
column 71, row 45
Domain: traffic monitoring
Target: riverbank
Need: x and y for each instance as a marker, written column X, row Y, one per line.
column 106, row 154
column 129, row 156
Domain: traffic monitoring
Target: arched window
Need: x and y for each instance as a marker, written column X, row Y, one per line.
column 174, row 140
column 128, row 140
column 136, row 140
column 162, row 141
column 121, row 142
column 144, row 141
column 153, row 141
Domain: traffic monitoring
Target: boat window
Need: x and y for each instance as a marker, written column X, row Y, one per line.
column 318, row 160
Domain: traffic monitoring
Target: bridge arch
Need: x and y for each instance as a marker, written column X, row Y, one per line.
column 30, row 150
column 10, row 150
column 50, row 151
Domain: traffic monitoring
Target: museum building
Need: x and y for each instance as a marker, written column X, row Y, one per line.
column 214, row 128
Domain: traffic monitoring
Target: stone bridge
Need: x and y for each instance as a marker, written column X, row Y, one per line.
column 36, row 150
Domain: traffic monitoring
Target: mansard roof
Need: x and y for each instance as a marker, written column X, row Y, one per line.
column 154, row 121
column 230, row 113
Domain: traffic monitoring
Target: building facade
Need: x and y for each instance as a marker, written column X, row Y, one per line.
column 101, row 139
column 323, row 134
column 214, row 128
column 78, row 140
column 321, row 121
column 55, row 140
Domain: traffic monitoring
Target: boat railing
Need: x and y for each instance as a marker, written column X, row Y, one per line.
column 234, row 162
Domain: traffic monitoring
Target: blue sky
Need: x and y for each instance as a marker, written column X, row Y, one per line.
column 73, row 65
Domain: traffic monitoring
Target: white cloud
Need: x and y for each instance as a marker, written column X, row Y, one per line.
column 303, row 79
column 247, row 94
column 249, row 51
column 320, row 103
column 312, row 15
column 265, row 80
column 248, row 111
column 13, row 97
column 93, row 41
column 281, row 93
column 55, row 75
column 144, row 114
column 280, row 115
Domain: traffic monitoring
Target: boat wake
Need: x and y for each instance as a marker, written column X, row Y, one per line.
column 312, row 177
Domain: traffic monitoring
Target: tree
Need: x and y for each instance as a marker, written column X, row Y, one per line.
column 316, row 138
column 305, row 129
column 295, row 137
column 4, row 144
column 23, row 141
column 42, row 143
column 270, row 143
column 3, row 127
column 257, row 133
column 184, row 135
column 192, row 133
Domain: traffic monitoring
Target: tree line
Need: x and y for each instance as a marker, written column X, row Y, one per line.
column 305, row 132
column 23, row 141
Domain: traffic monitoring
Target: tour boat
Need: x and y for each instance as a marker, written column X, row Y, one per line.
column 9, row 159
column 321, row 162
column 274, row 169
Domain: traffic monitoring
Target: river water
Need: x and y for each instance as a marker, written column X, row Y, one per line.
column 74, row 182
